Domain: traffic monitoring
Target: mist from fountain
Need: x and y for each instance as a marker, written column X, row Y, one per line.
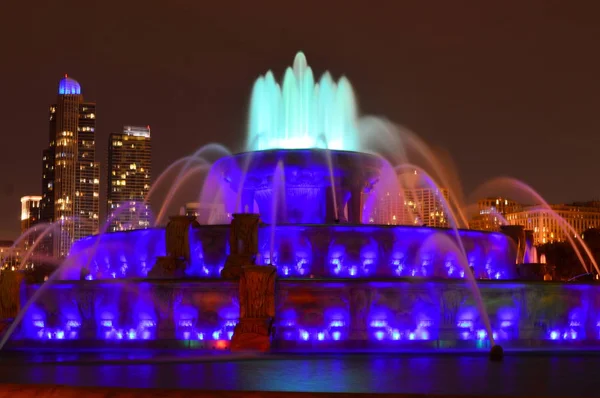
column 336, row 215
column 242, row 184
column 38, row 292
column 444, row 243
column 507, row 183
column 91, row 253
column 37, row 228
column 278, row 188
column 469, row 275
column 165, row 175
column 181, row 179
column 200, row 155
column 401, row 146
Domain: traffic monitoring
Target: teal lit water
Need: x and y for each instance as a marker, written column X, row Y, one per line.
column 302, row 112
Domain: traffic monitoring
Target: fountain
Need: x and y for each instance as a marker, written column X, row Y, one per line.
column 297, row 200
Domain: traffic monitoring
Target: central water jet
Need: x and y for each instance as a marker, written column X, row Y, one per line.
column 301, row 112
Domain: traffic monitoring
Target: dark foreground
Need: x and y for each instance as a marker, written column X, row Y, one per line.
column 522, row 374
column 21, row 391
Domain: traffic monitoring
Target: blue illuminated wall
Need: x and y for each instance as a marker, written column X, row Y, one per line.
column 116, row 255
column 435, row 314
column 336, row 251
column 133, row 311
column 362, row 251
column 316, row 314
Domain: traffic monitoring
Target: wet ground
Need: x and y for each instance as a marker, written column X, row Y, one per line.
column 520, row 374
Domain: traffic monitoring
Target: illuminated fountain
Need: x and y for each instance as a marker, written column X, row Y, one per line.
column 342, row 283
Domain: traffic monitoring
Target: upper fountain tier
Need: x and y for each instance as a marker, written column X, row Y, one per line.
column 301, row 113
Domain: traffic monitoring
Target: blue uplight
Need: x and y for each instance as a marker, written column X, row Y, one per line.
column 68, row 86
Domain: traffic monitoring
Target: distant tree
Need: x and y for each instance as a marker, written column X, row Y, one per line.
column 562, row 256
column 591, row 238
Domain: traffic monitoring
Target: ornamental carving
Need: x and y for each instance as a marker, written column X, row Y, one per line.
column 532, row 305
column 360, row 304
column 84, row 300
column 257, row 292
column 257, row 309
column 163, row 299
column 451, row 302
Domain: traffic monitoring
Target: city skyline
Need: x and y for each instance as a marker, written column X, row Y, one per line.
column 504, row 104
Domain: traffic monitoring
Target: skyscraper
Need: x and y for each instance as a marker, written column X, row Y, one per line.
column 30, row 218
column 87, row 185
column 129, row 168
column 70, row 176
column 30, row 211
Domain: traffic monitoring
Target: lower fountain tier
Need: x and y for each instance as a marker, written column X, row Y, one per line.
column 311, row 314
column 295, row 186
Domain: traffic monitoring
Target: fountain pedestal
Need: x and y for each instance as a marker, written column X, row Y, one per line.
column 257, row 309
column 178, row 256
column 243, row 244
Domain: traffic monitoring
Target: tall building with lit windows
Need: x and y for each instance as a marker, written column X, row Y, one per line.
column 30, row 211
column 128, row 184
column 413, row 203
column 491, row 213
column 87, row 184
column 70, row 175
column 30, row 223
column 548, row 228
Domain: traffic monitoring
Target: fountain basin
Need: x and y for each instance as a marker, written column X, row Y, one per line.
column 305, row 251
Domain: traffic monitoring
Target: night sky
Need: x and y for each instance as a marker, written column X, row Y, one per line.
column 506, row 87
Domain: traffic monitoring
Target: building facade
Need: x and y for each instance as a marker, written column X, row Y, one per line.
column 87, row 183
column 70, row 174
column 128, row 183
column 10, row 256
column 548, row 226
column 30, row 211
column 491, row 213
column 412, row 202
column 30, row 219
